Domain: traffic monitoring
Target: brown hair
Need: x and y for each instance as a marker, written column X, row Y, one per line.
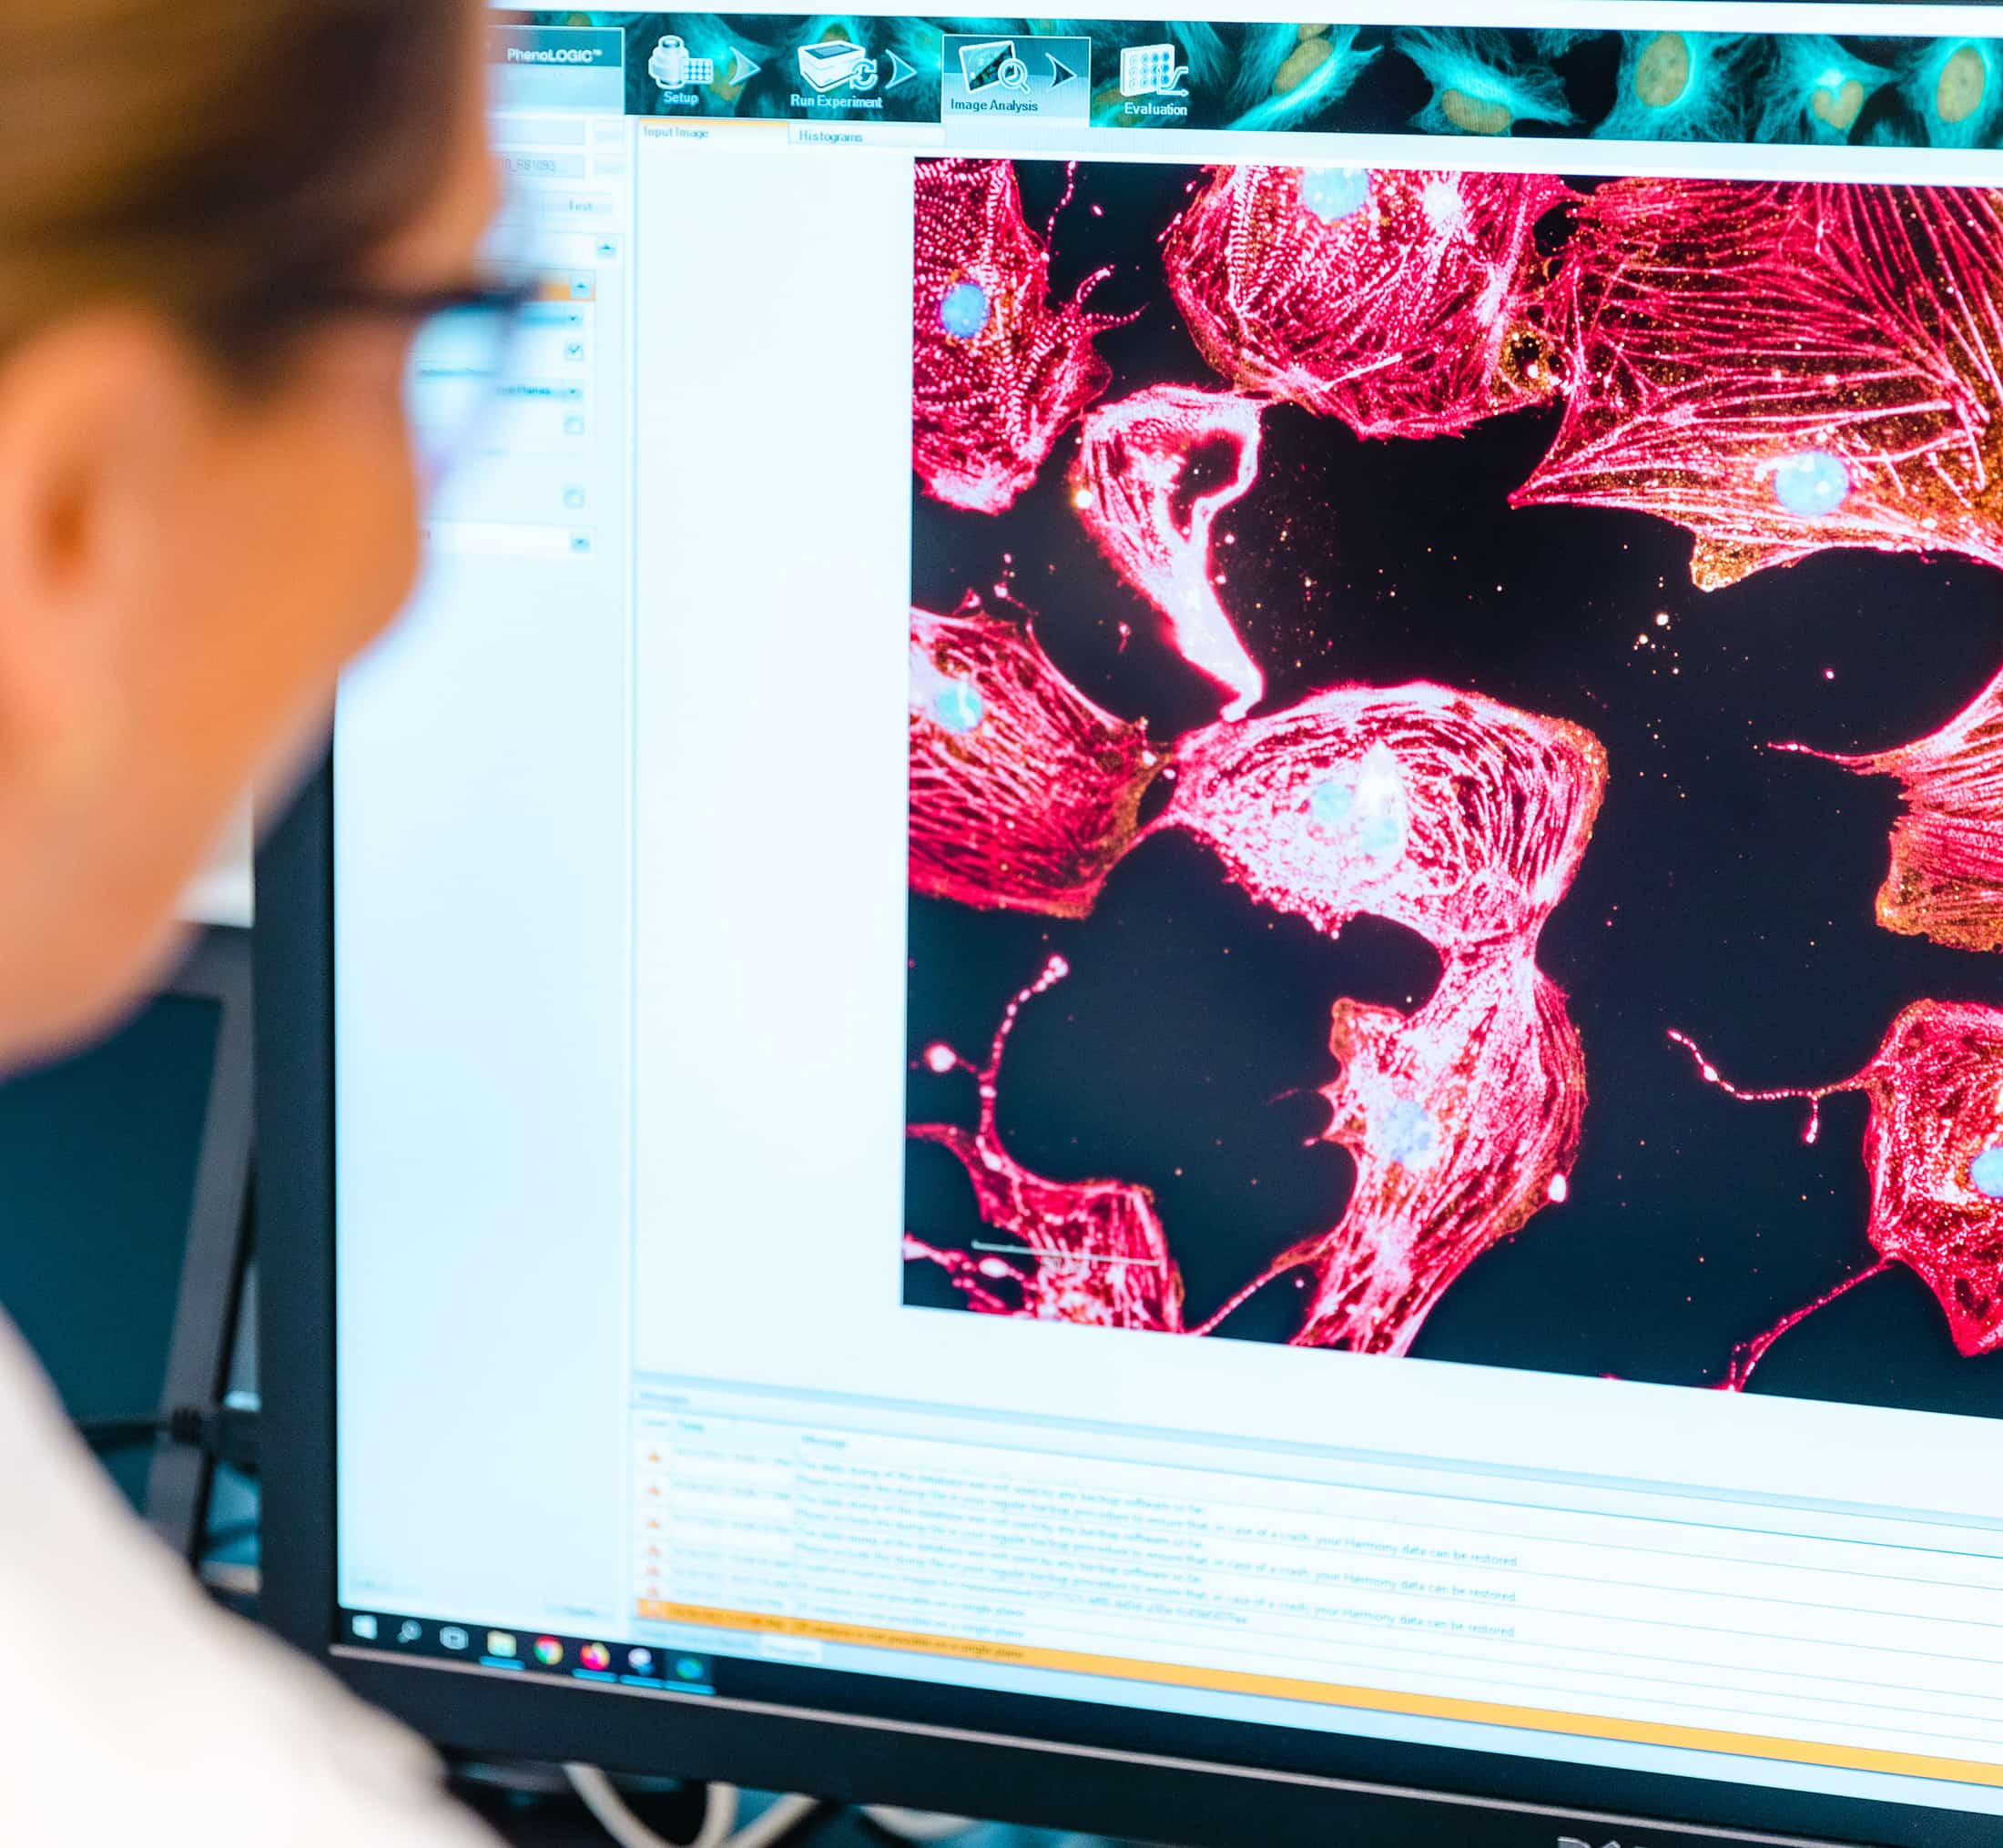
column 217, row 159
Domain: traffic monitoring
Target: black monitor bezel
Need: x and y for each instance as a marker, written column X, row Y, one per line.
column 1057, row 1764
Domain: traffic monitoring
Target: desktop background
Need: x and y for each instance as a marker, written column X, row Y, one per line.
column 1727, row 892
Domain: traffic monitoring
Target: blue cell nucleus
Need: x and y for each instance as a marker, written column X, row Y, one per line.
column 1815, row 481
column 1382, row 835
column 1408, row 1134
column 964, row 309
column 1335, row 192
column 1985, row 1171
column 958, row 707
column 1330, row 803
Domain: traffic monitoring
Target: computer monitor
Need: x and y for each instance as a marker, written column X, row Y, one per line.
column 1162, row 990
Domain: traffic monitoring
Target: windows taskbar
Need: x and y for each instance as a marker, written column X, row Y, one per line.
column 542, row 1652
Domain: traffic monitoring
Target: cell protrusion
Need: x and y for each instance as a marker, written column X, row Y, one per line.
column 1946, row 878
column 1089, row 1252
column 1131, row 485
column 1933, row 1148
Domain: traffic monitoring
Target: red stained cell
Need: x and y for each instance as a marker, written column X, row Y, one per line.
column 1023, row 794
column 1465, row 821
column 1131, row 486
column 1946, row 880
column 997, row 371
column 1403, row 303
column 1091, row 1252
column 1781, row 368
column 1444, row 811
column 1463, row 1119
column 1933, row 1146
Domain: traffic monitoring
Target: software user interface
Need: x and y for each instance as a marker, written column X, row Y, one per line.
column 1181, row 889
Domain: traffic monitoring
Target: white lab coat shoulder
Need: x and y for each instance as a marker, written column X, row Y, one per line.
column 132, row 1710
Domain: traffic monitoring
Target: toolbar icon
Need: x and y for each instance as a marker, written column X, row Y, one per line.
column 991, row 63
column 838, row 62
column 453, row 1638
column 1152, row 70
column 673, row 68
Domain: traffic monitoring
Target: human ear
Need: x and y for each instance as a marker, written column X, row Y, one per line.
column 97, row 414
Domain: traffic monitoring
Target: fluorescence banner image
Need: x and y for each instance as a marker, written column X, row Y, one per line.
column 1457, row 768
column 1804, row 88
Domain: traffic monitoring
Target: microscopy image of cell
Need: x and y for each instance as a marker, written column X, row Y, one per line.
column 1131, row 485
column 1552, row 42
column 998, row 371
column 1784, row 368
column 1023, row 794
column 1402, row 301
column 1479, row 86
column 1465, row 821
column 1678, row 86
column 1463, row 1121
column 1090, row 1252
column 1955, row 85
column 1288, row 76
column 1452, row 814
column 1946, row 880
column 1933, row 1147
column 1814, row 89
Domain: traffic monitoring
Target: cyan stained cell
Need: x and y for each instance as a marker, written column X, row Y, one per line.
column 1814, row 89
column 1480, row 86
column 1680, row 85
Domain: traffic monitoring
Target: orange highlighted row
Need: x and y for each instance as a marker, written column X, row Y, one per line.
column 1336, row 1694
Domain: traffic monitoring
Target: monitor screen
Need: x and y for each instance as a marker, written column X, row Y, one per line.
column 1175, row 921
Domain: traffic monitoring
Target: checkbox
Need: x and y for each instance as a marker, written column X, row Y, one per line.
column 574, row 350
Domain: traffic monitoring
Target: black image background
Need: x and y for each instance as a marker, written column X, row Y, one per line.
column 1728, row 890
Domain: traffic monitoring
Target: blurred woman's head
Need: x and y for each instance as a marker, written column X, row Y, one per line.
column 209, row 211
